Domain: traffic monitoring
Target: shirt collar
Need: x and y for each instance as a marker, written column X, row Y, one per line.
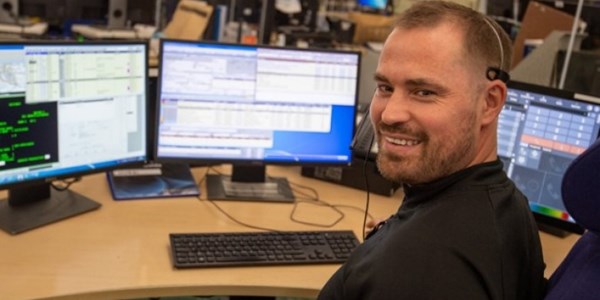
column 415, row 194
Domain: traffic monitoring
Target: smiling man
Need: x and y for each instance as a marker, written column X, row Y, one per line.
column 463, row 231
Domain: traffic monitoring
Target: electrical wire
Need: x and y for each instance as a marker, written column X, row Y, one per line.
column 369, row 216
column 66, row 183
column 368, row 197
column 321, row 203
column 311, row 198
column 230, row 217
column 335, row 207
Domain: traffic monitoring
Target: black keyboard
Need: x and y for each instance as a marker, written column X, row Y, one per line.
column 196, row 250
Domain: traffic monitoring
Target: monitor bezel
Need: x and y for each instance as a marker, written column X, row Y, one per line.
column 237, row 161
column 542, row 219
column 80, row 173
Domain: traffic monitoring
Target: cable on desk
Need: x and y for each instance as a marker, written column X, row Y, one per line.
column 208, row 169
column 316, row 201
column 362, row 210
column 238, row 221
column 204, row 176
column 310, row 199
column 66, row 183
column 316, row 198
column 321, row 203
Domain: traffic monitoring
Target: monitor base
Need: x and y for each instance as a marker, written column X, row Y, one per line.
column 553, row 230
column 60, row 205
column 153, row 180
column 221, row 187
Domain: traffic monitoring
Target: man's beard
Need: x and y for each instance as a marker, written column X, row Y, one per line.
column 433, row 161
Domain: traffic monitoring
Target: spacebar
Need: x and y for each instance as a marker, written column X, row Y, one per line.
column 240, row 258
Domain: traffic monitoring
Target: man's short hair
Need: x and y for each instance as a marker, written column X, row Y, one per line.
column 481, row 43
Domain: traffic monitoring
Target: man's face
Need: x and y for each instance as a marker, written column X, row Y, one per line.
column 426, row 107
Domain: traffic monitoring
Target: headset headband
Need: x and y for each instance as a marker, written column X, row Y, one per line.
column 493, row 73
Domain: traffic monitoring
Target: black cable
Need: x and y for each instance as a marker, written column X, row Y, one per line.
column 316, row 201
column 230, row 217
column 311, row 199
column 204, row 176
column 316, row 194
column 240, row 222
column 368, row 200
column 316, row 198
column 67, row 183
column 369, row 216
column 321, row 203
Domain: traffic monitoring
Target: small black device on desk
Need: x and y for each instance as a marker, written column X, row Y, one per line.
column 197, row 250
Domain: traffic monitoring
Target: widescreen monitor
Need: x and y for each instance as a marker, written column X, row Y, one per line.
column 67, row 109
column 251, row 105
column 541, row 130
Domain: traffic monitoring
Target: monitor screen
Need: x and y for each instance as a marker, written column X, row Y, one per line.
column 67, row 110
column 255, row 105
column 541, row 130
column 373, row 5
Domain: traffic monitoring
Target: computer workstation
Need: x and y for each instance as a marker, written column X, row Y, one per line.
column 550, row 129
column 200, row 118
column 97, row 113
column 252, row 106
column 141, row 228
column 121, row 250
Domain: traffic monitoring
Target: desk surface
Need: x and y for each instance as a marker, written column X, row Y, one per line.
column 122, row 249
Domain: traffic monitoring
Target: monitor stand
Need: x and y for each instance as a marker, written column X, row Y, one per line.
column 248, row 183
column 153, row 180
column 553, row 230
column 35, row 206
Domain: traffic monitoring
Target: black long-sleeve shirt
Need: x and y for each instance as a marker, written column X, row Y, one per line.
column 470, row 235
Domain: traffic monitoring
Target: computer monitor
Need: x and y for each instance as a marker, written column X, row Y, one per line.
column 374, row 6
column 252, row 105
column 541, row 130
column 67, row 109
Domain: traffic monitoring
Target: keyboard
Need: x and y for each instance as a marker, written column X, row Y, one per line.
column 197, row 250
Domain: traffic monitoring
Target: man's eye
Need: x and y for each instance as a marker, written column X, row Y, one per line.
column 384, row 89
column 425, row 93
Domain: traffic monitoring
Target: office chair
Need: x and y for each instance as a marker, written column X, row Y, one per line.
column 578, row 276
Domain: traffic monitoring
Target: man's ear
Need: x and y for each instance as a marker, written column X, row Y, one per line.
column 494, row 98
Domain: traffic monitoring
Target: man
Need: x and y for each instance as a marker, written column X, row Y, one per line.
column 463, row 231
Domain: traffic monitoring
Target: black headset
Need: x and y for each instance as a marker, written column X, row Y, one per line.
column 494, row 73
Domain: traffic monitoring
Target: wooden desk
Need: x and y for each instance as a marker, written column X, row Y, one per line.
column 122, row 249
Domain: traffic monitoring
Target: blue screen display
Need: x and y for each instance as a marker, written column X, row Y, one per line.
column 373, row 4
column 255, row 103
column 540, row 132
column 69, row 109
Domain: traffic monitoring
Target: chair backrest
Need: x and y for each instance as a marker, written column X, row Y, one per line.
column 578, row 276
